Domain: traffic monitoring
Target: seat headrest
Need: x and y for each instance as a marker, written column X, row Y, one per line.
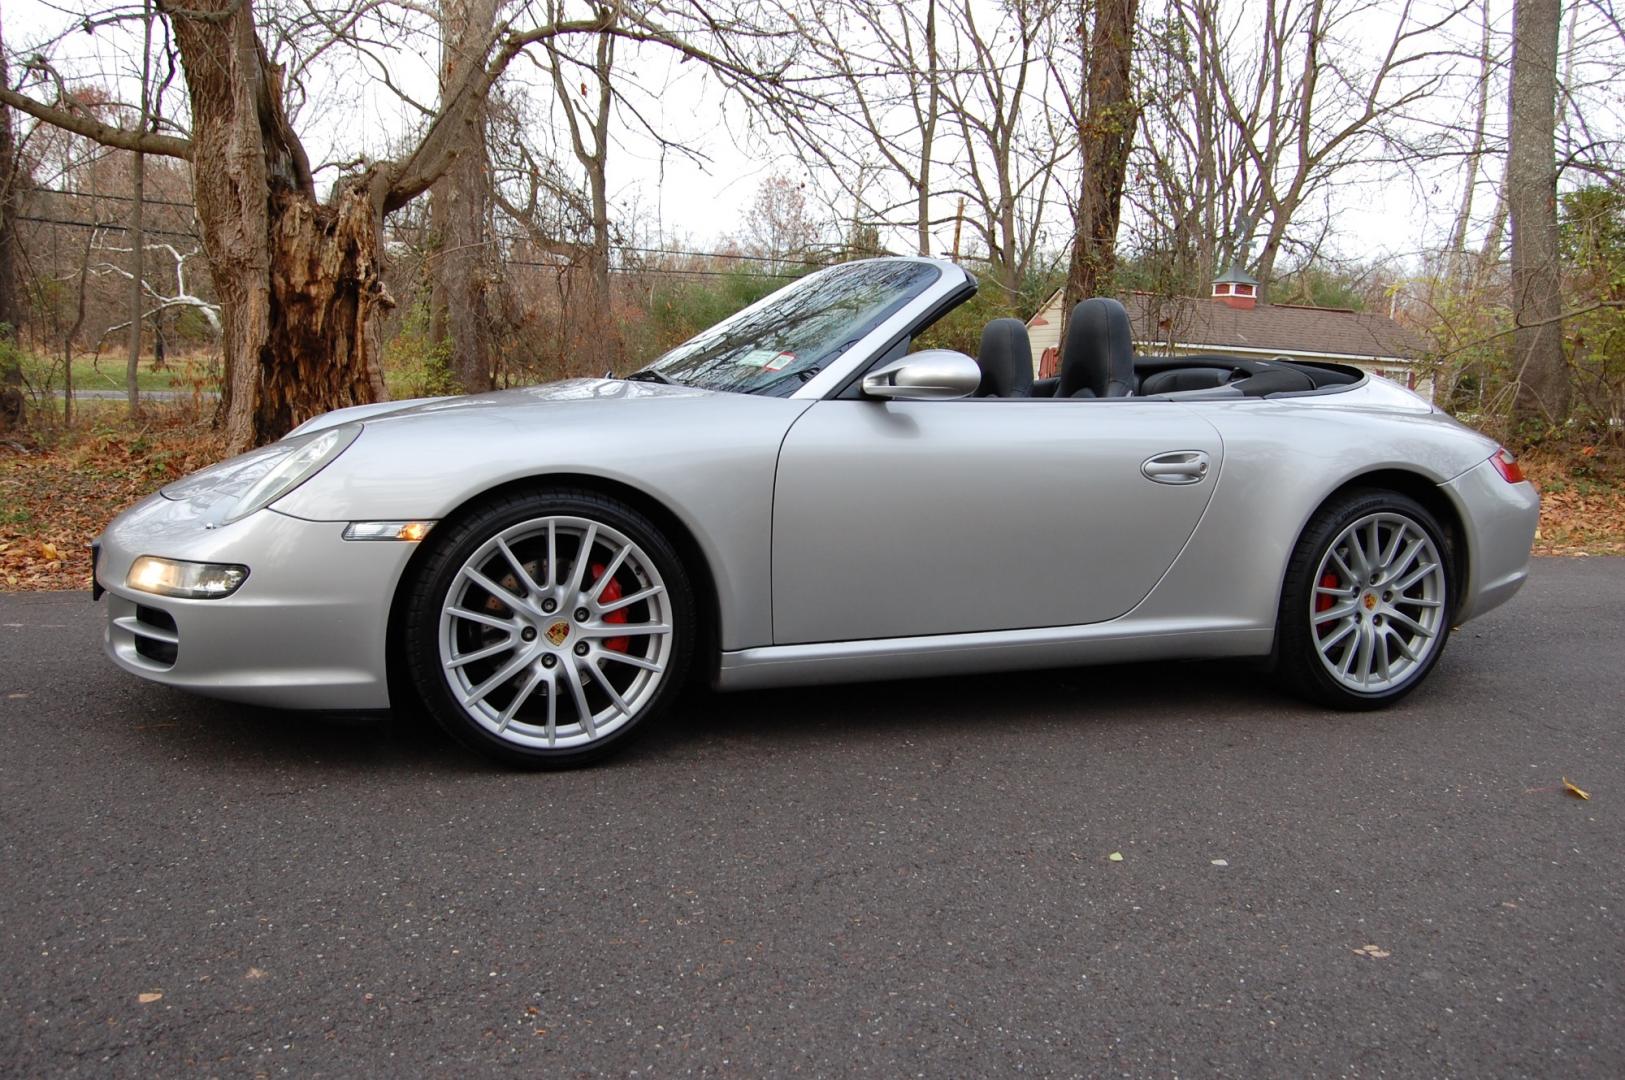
column 1006, row 360
column 1099, row 350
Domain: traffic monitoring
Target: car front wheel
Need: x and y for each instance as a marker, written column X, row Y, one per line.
column 1367, row 601
column 547, row 628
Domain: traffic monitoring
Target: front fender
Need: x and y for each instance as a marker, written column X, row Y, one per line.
column 708, row 459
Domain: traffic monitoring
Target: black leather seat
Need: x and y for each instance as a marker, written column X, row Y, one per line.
column 1006, row 360
column 1176, row 380
column 1099, row 358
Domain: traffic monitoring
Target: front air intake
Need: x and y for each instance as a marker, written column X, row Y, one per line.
column 156, row 637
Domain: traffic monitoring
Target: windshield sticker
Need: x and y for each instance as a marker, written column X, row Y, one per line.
column 779, row 362
column 758, row 358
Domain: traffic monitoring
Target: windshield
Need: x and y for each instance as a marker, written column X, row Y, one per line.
column 781, row 341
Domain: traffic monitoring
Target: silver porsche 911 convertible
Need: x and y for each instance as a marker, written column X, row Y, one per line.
column 798, row 496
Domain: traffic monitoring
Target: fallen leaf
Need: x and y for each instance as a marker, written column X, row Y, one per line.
column 254, row 973
column 1578, row 793
column 49, row 552
column 1376, row 952
column 1116, row 856
column 149, row 997
column 1220, row 862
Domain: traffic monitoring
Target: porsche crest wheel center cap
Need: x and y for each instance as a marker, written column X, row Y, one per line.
column 558, row 632
column 1370, row 603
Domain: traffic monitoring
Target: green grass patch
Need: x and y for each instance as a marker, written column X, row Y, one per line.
column 107, row 373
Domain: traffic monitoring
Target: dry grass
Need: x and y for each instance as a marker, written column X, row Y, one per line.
column 1582, row 503
column 56, row 495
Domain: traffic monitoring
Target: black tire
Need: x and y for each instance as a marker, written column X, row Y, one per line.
column 520, row 741
column 1302, row 666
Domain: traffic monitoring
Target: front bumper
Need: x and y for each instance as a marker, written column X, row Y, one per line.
column 306, row 630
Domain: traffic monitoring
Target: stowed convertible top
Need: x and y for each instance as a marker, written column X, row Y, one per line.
column 1214, row 375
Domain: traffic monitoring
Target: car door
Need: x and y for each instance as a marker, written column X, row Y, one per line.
column 903, row 518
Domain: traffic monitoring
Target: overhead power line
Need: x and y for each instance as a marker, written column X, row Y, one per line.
column 645, row 270
column 148, row 199
column 109, row 226
column 114, row 227
column 780, row 260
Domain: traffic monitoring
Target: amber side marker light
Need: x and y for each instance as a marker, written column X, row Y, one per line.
column 1507, row 466
column 412, row 531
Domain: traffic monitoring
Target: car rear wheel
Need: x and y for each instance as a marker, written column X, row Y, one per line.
column 1365, row 611
column 548, row 628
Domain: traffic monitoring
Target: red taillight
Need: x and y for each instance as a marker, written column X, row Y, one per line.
column 1507, row 466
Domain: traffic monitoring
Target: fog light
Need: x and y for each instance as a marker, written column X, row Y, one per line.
column 188, row 580
column 387, row 530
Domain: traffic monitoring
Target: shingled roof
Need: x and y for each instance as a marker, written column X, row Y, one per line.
column 1288, row 328
column 1201, row 324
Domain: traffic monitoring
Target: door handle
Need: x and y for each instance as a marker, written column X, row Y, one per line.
column 1176, row 467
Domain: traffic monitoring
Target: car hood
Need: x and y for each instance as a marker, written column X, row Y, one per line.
column 520, row 401
column 419, row 459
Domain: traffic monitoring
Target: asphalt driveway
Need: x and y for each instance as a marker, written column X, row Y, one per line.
column 906, row 879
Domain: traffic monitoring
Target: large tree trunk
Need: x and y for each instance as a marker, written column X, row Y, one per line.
column 1106, row 132
column 460, row 207
column 297, row 280
column 1543, row 385
column 326, row 285
column 599, row 343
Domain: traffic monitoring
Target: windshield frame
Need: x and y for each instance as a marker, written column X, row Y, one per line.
column 861, row 353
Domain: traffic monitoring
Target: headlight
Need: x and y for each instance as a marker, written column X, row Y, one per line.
column 260, row 477
column 188, row 580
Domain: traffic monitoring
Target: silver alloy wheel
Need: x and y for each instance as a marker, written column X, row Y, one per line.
column 1377, row 611
column 555, row 632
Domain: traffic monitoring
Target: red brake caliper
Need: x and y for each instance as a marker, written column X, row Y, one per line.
column 1323, row 602
column 611, row 593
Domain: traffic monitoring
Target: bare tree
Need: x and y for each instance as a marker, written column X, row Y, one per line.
column 1265, row 108
column 1476, row 150
column 1543, row 384
column 299, row 277
column 138, row 243
column 547, row 217
column 777, row 227
column 1009, row 146
column 587, row 113
column 888, row 59
column 72, row 331
column 11, row 371
column 1189, row 173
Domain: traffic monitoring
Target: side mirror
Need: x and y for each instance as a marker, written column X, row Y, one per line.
column 932, row 375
